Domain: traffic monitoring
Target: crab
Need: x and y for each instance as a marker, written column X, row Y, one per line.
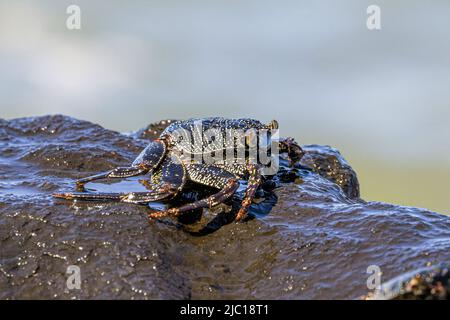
column 172, row 160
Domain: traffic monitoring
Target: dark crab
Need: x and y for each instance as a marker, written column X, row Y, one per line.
column 171, row 161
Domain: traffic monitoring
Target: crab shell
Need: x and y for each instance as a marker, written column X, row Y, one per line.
column 205, row 136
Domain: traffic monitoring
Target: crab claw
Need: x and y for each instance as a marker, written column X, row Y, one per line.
column 293, row 150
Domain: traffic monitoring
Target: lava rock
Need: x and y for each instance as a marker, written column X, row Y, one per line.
column 309, row 236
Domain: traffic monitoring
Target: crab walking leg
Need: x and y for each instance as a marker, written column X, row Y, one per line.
column 121, row 172
column 209, row 202
column 254, row 181
column 169, row 179
column 147, row 160
column 131, row 197
column 207, row 175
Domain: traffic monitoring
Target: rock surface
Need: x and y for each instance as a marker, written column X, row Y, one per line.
column 311, row 237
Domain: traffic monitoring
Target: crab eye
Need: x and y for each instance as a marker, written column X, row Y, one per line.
column 273, row 124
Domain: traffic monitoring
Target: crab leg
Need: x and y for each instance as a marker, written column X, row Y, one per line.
column 132, row 197
column 210, row 176
column 168, row 181
column 121, row 172
column 254, row 181
column 209, row 202
column 147, row 160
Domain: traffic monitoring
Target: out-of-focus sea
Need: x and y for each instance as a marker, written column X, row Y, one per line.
column 381, row 97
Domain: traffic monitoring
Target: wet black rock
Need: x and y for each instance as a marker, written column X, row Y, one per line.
column 309, row 235
column 330, row 164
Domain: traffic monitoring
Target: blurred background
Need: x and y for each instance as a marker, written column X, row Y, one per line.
column 381, row 97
